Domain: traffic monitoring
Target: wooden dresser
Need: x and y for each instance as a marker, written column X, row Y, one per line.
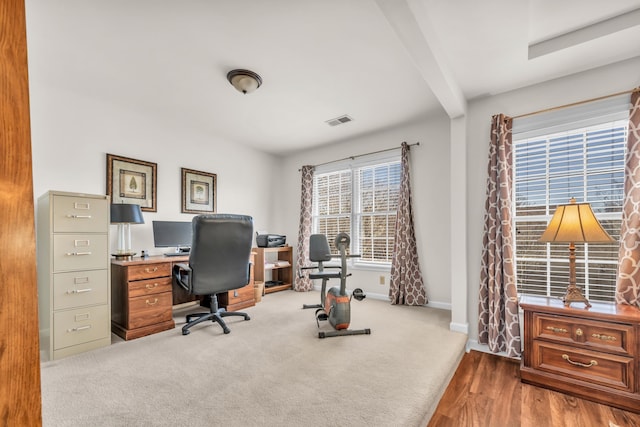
column 141, row 297
column 590, row 353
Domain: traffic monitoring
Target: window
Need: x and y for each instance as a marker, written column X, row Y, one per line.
column 360, row 199
column 582, row 159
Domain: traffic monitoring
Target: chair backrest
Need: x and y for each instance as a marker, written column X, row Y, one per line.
column 220, row 251
column 319, row 250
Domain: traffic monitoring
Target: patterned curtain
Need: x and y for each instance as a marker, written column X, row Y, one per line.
column 498, row 324
column 406, row 284
column 304, row 229
column 628, row 286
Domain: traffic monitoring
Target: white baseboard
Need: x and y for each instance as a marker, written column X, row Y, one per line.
column 459, row 327
column 475, row 345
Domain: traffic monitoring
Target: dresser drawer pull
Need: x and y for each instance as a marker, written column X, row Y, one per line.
column 579, row 332
column 150, row 286
column 604, row 337
column 155, row 301
column 79, row 216
column 584, row 365
column 151, row 270
column 79, row 291
column 79, row 328
column 554, row 329
column 78, row 253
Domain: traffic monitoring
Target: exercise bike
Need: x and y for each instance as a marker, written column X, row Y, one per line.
column 335, row 305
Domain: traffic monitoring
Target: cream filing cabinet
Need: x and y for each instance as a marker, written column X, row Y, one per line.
column 73, row 273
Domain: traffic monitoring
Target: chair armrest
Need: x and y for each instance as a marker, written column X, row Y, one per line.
column 182, row 274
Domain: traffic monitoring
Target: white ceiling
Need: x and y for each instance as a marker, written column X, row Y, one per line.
column 383, row 62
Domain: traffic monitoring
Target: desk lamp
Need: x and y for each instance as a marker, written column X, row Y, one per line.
column 124, row 215
column 574, row 223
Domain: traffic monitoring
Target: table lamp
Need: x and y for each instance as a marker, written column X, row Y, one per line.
column 574, row 223
column 124, row 215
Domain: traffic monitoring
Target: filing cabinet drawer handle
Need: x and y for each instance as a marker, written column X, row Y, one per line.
column 150, row 286
column 79, row 328
column 554, row 329
column 583, row 365
column 604, row 337
column 151, row 270
column 79, row 216
column 155, row 301
column 84, row 206
column 78, row 253
column 79, row 291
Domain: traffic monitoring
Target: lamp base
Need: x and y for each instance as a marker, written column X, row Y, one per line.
column 574, row 295
column 128, row 256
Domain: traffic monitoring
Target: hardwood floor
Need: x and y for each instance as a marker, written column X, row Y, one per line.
column 486, row 392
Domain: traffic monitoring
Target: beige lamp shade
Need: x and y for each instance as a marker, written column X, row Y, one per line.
column 575, row 223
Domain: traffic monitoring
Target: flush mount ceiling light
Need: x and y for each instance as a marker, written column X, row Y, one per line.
column 244, row 81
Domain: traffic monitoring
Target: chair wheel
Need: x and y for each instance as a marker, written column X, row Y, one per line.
column 320, row 334
column 187, row 332
column 226, row 331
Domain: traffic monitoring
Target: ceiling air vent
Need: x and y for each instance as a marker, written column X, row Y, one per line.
column 339, row 120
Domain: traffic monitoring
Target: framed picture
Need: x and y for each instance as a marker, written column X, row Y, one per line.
column 198, row 191
column 132, row 181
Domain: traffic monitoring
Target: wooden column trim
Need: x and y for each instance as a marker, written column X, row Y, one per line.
column 20, row 399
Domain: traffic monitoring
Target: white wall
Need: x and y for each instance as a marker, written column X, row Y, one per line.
column 599, row 82
column 72, row 133
column 429, row 176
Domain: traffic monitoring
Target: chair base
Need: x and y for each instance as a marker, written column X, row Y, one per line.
column 215, row 315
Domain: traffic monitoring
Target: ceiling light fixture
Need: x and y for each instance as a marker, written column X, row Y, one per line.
column 244, row 81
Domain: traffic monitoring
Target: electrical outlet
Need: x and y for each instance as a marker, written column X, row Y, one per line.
column 382, row 280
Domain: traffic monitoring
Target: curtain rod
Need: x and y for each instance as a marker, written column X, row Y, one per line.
column 573, row 104
column 361, row 155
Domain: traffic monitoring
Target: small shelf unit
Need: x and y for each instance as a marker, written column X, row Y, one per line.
column 279, row 262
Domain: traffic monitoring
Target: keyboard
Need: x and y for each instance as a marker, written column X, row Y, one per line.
column 176, row 254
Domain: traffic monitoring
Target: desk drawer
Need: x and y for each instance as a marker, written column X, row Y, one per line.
column 80, row 214
column 149, row 310
column 593, row 367
column 80, row 288
column 149, row 271
column 241, row 295
column 79, row 326
column 609, row 337
column 80, row 252
column 150, row 286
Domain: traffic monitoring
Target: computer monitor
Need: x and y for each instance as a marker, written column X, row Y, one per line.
column 176, row 234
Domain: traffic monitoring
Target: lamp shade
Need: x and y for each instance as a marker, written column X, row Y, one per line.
column 575, row 222
column 124, row 213
column 244, row 81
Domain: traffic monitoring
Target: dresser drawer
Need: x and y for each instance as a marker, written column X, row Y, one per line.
column 80, row 288
column 585, row 333
column 149, row 287
column 80, row 252
column 149, row 271
column 608, row 370
column 80, row 214
column 79, row 326
column 149, row 310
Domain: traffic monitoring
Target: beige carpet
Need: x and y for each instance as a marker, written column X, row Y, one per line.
column 269, row 371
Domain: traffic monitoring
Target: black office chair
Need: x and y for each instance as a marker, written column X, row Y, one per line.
column 319, row 252
column 218, row 262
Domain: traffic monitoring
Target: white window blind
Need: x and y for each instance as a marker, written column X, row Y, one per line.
column 551, row 165
column 360, row 198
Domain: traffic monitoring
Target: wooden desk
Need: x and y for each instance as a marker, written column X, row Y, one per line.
column 143, row 294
